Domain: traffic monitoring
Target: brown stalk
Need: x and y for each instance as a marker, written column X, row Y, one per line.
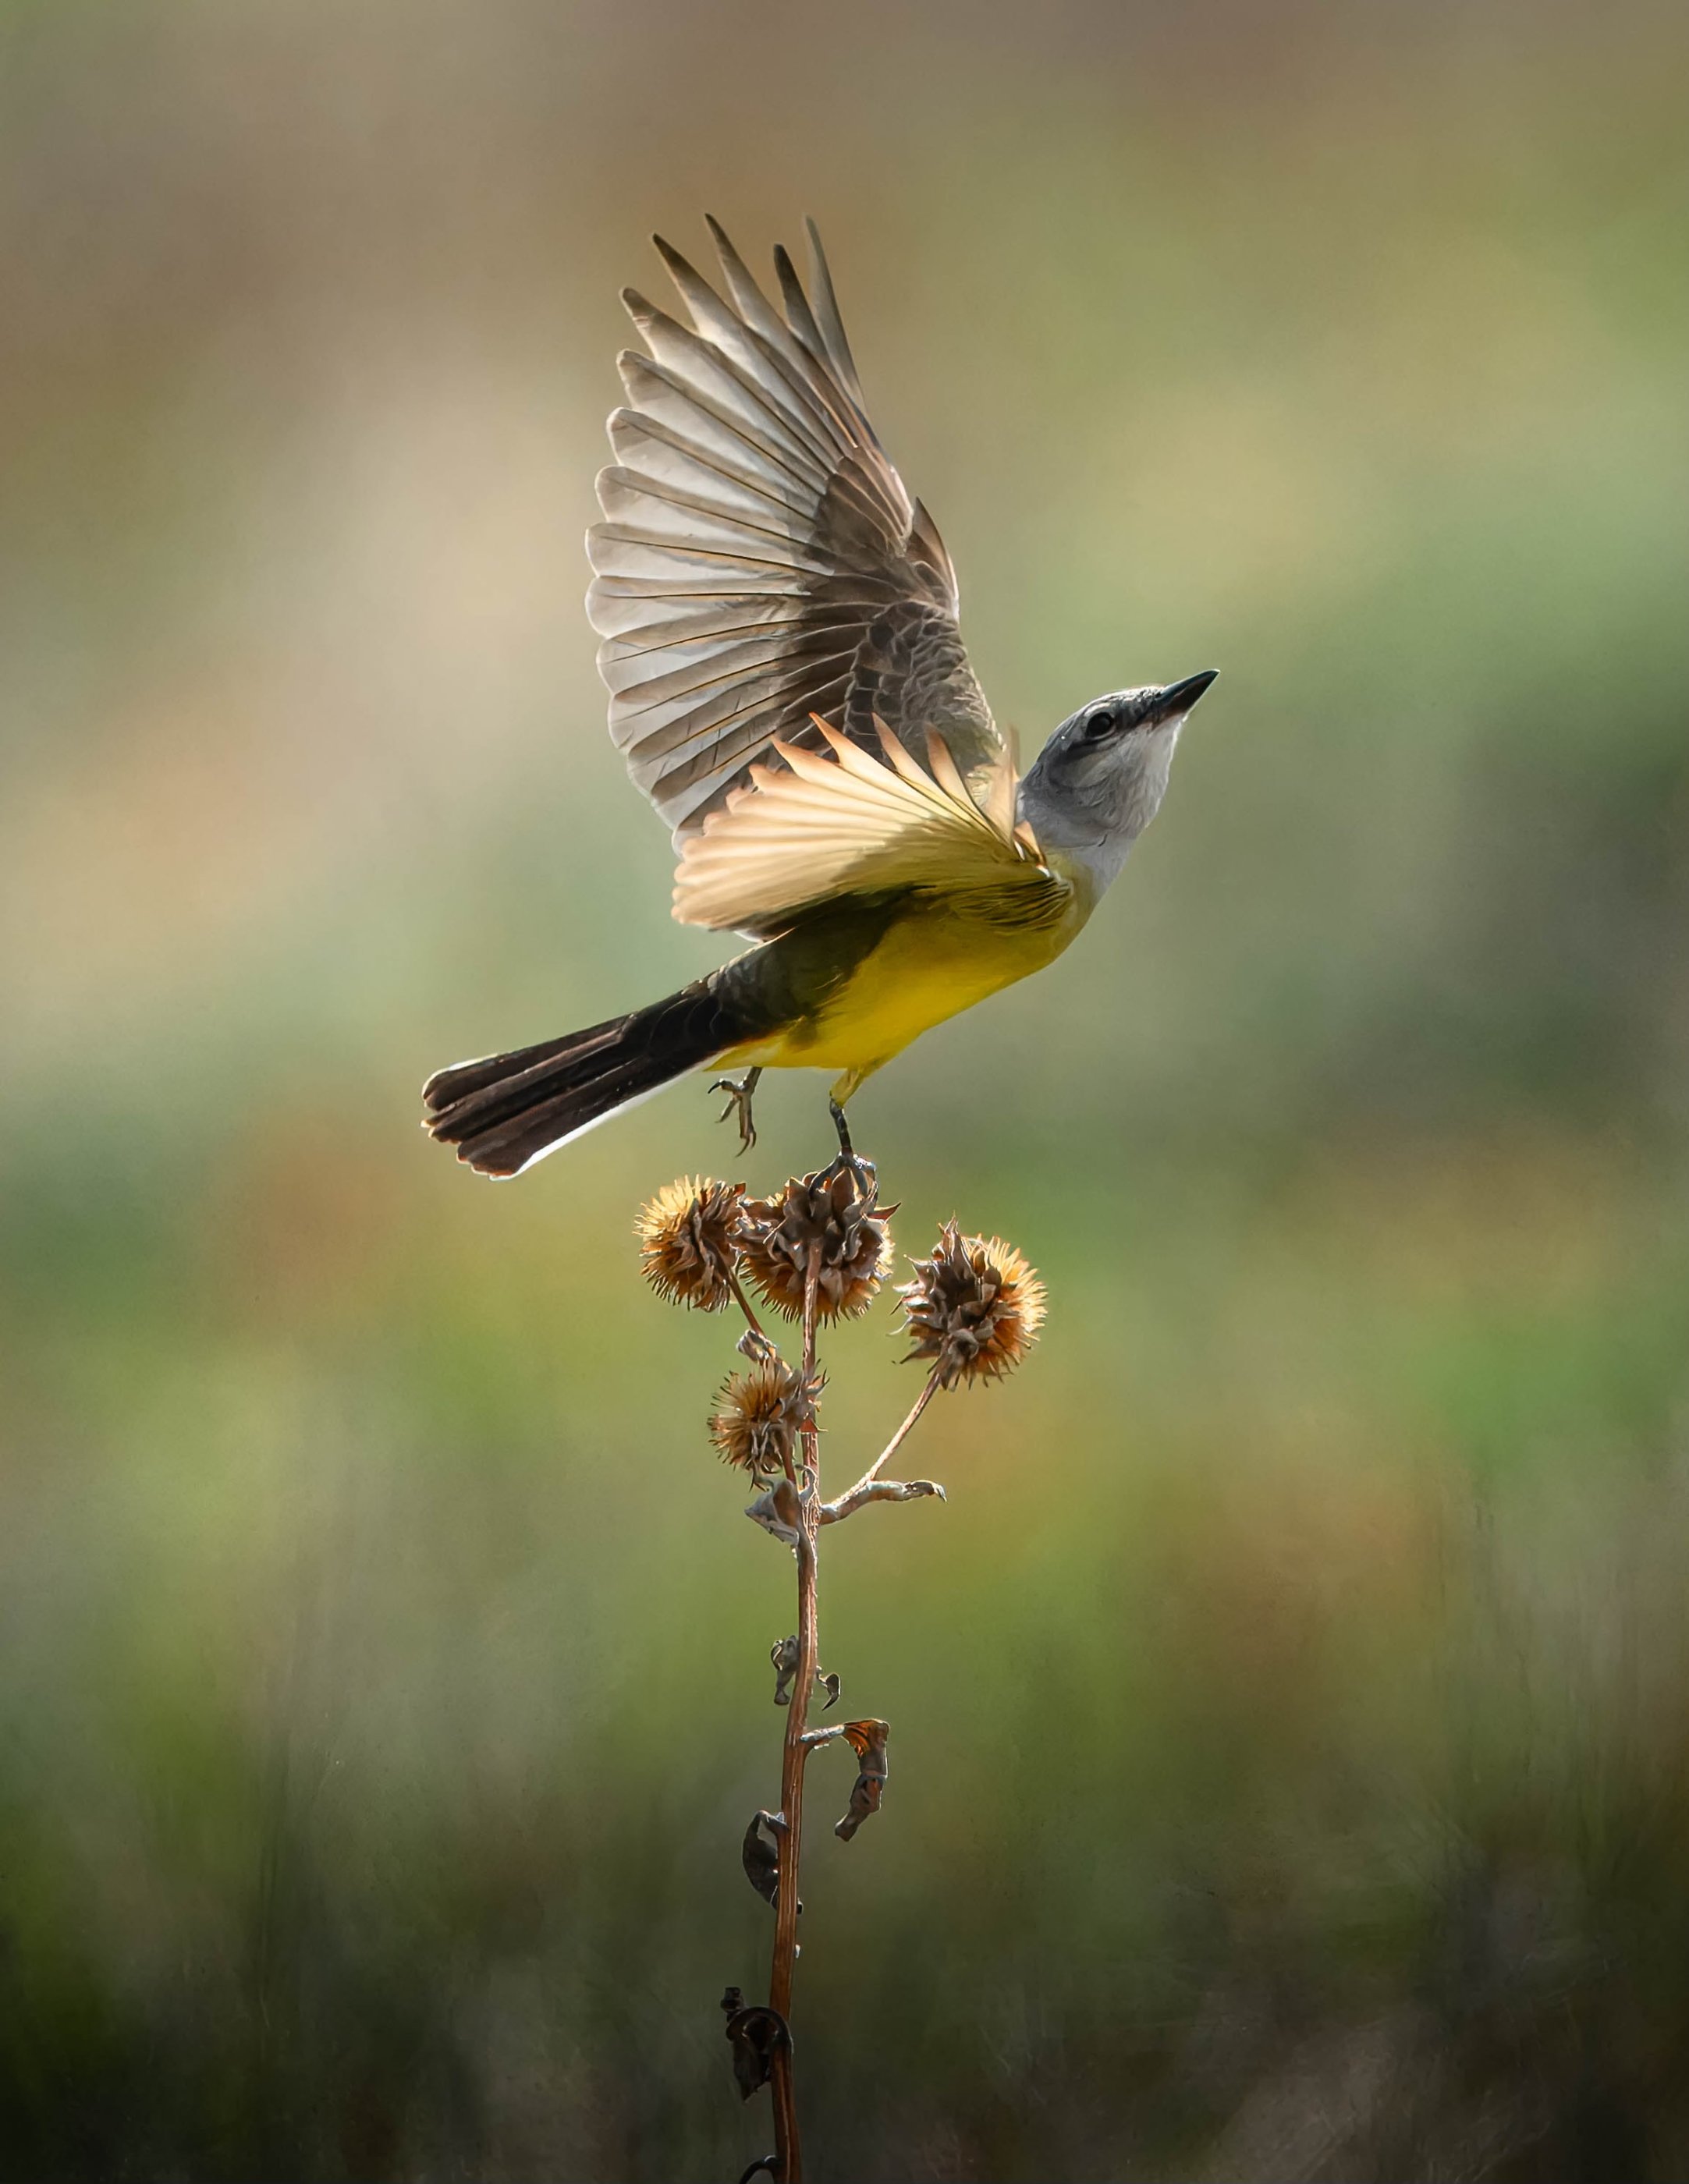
column 859, row 1493
column 973, row 1308
column 820, row 1248
column 787, row 2148
column 879, row 1489
column 743, row 1304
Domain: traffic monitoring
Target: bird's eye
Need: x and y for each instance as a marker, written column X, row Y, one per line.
column 1100, row 724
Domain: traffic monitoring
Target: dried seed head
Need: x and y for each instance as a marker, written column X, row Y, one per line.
column 974, row 1309
column 826, row 1210
column 688, row 1240
column 759, row 1416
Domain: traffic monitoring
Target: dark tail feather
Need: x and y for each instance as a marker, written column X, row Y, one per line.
column 505, row 1111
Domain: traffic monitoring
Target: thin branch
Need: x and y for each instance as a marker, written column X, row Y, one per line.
column 854, row 1494
column 795, row 1751
column 743, row 1303
column 879, row 1490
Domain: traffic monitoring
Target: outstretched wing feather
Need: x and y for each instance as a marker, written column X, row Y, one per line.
column 760, row 559
column 843, row 821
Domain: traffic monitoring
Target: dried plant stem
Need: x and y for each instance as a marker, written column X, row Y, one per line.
column 793, row 1754
column 743, row 1304
column 973, row 1310
column 859, row 1492
column 879, row 1489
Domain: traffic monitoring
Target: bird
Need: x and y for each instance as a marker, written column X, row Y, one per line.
column 787, row 683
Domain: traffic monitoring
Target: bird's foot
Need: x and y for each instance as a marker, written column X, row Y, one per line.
column 739, row 1090
column 861, row 1171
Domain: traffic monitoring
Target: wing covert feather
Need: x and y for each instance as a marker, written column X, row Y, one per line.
column 844, row 821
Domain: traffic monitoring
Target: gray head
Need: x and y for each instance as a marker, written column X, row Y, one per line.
column 1099, row 781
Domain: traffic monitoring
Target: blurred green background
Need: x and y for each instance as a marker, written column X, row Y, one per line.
column 1290, row 1775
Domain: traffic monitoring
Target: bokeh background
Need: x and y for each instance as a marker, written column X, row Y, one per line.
column 1289, row 1707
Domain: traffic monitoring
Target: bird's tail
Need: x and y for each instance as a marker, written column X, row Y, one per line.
column 504, row 1112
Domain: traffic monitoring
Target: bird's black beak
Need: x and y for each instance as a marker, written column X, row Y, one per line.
column 1179, row 696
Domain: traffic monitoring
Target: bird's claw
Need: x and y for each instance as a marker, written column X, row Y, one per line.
column 849, row 1161
column 739, row 1090
column 860, row 1172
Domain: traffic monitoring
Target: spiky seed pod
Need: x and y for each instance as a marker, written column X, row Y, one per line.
column 687, row 1241
column 829, row 1209
column 759, row 1415
column 974, row 1309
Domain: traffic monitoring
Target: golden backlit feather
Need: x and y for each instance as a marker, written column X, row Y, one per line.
column 850, row 822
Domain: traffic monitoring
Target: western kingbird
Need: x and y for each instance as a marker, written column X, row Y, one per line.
column 788, row 682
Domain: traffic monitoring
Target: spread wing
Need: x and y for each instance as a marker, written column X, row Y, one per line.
column 760, row 560
column 848, row 823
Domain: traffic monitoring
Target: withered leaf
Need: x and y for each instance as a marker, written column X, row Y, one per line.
column 760, row 1855
column 756, row 2033
column 867, row 1740
column 777, row 1512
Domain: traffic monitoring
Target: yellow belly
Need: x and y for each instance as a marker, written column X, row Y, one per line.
column 932, row 964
